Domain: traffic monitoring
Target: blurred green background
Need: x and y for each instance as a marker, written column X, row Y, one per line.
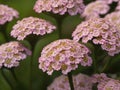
column 27, row 76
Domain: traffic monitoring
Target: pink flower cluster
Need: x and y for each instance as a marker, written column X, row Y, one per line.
column 105, row 83
column 100, row 31
column 11, row 53
column 64, row 55
column 118, row 6
column 31, row 25
column 80, row 81
column 114, row 18
column 60, row 83
column 109, row 1
column 60, row 6
column 7, row 14
column 97, row 78
column 95, row 9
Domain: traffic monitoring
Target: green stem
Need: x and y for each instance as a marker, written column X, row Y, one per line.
column 59, row 21
column 30, row 87
column 107, row 58
column 94, row 62
column 3, row 27
column 70, row 80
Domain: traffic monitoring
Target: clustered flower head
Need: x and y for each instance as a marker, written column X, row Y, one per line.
column 80, row 81
column 109, row 1
column 7, row 14
column 114, row 18
column 97, row 78
column 31, row 25
column 106, row 83
column 100, row 31
column 73, row 7
column 118, row 6
column 64, row 55
column 95, row 9
column 11, row 53
column 60, row 83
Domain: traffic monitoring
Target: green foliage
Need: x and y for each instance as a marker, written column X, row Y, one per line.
column 28, row 76
column 3, row 83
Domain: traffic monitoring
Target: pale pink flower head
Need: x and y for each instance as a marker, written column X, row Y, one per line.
column 73, row 7
column 60, row 83
column 11, row 53
column 80, row 81
column 100, row 31
column 106, row 83
column 95, row 9
column 96, row 78
column 7, row 14
column 114, row 18
column 109, row 1
column 64, row 55
column 31, row 25
column 112, row 85
column 118, row 6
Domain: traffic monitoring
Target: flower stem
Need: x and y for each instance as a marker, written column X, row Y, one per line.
column 59, row 22
column 70, row 80
column 107, row 58
column 94, row 62
column 3, row 31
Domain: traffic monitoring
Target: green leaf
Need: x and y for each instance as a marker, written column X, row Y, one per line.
column 3, row 83
column 9, row 77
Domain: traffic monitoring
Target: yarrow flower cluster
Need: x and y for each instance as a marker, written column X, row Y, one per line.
column 60, row 83
column 11, row 53
column 95, row 9
column 73, row 7
column 31, row 25
column 105, row 83
column 118, row 6
column 109, row 1
column 97, row 78
column 114, row 18
column 80, row 81
column 100, row 31
column 7, row 14
column 64, row 55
